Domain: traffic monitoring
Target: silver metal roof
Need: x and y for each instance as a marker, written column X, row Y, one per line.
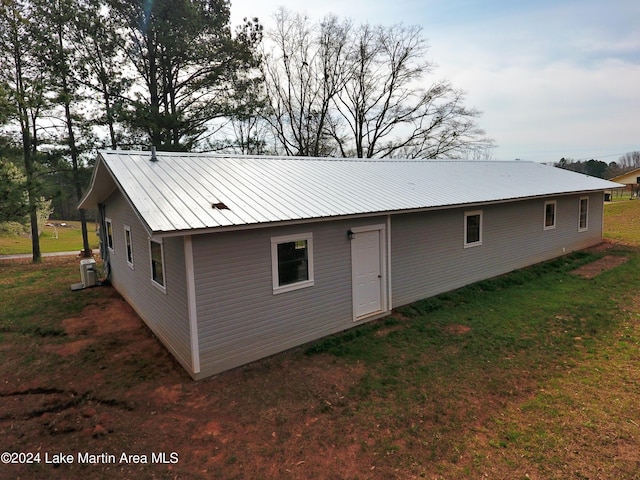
column 177, row 192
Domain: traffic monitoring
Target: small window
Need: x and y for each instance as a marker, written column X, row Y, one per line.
column 292, row 262
column 549, row 215
column 157, row 263
column 128, row 245
column 583, row 220
column 473, row 228
column 109, row 227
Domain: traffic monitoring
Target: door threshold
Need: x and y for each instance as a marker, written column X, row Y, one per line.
column 372, row 316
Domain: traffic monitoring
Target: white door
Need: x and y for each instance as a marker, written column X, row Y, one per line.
column 367, row 273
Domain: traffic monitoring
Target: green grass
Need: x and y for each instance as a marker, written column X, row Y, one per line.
column 58, row 239
column 557, row 355
column 622, row 221
column 534, row 340
column 34, row 298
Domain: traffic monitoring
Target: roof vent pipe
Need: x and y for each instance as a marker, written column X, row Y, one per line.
column 154, row 158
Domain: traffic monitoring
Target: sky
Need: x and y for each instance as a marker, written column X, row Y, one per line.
column 553, row 78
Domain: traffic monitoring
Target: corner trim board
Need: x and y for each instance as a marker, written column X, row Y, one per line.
column 191, row 304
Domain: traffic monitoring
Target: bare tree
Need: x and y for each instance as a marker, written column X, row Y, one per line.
column 629, row 161
column 364, row 92
column 388, row 109
column 304, row 71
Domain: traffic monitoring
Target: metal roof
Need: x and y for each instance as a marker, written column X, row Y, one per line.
column 201, row 191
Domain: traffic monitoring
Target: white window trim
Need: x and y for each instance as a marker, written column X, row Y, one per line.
column 275, row 241
column 555, row 215
column 470, row 214
column 162, row 288
column 128, row 245
column 586, row 226
column 108, row 225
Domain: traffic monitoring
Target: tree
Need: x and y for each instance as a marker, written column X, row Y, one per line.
column 13, row 205
column 185, row 61
column 100, row 51
column 304, row 71
column 630, row 161
column 594, row 168
column 22, row 76
column 56, row 33
column 339, row 90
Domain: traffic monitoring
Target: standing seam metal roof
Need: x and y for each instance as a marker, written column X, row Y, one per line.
column 176, row 192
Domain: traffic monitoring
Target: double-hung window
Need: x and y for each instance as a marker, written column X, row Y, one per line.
column 550, row 215
column 583, row 217
column 128, row 245
column 157, row 264
column 109, row 230
column 473, row 228
column 292, row 262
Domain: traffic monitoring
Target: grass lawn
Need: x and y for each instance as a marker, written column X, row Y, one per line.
column 52, row 239
column 532, row 375
column 622, row 221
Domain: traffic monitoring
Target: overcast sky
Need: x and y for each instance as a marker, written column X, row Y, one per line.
column 554, row 78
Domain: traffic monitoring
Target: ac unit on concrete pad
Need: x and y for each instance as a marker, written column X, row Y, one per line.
column 88, row 274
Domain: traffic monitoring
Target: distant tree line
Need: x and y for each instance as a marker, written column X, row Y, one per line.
column 78, row 75
column 597, row 168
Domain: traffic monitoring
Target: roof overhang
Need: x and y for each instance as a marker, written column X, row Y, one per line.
column 101, row 186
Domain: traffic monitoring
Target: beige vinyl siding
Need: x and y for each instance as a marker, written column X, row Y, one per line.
column 240, row 319
column 165, row 313
column 428, row 254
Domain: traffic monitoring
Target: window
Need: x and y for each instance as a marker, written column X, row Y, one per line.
column 473, row 228
column 109, row 226
column 583, row 219
column 157, row 263
column 549, row 215
column 128, row 245
column 292, row 262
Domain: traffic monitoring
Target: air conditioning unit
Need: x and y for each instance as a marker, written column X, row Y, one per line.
column 88, row 273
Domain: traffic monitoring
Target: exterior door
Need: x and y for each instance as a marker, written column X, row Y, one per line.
column 367, row 273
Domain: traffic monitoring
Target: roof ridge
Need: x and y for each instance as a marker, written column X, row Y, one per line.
column 297, row 158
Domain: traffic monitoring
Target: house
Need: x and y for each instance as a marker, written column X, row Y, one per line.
column 631, row 181
column 229, row 258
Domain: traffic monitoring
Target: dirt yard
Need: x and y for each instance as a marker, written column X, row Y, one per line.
column 121, row 406
column 108, row 401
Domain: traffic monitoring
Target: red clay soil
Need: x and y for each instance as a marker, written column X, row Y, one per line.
column 593, row 269
column 111, row 388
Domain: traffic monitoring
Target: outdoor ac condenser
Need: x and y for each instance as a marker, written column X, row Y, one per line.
column 88, row 273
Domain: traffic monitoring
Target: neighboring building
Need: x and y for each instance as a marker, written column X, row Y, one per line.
column 631, row 181
column 229, row 259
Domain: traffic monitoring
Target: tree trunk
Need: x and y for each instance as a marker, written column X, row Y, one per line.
column 86, row 251
column 33, row 201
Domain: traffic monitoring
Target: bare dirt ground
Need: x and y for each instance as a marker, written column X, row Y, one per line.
column 594, row 269
column 608, row 262
column 111, row 388
column 109, row 391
